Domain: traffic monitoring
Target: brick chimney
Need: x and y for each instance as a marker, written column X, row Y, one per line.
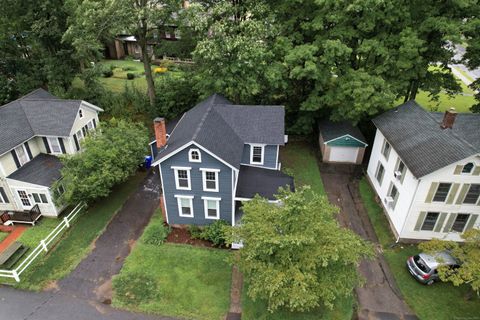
column 449, row 119
column 160, row 132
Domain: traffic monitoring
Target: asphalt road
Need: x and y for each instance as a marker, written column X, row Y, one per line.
column 459, row 52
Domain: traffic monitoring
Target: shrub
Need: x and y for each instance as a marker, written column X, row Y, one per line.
column 113, row 67
column 132, row 288
column 107, row 73
column 130, row 76
column 156, row 233
column 195, row 231
column 160, row 70
column 215, row 233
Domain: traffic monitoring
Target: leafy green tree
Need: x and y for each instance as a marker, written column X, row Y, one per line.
column 110, row 155
column 295, row 255
column 468, row 253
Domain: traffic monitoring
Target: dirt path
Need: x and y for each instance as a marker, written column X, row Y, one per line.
column 380, row 297
column 92, row 277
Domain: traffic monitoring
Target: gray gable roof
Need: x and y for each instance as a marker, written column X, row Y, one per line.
column 333, row 130
column 43, row 170
column 37, row 113
column 424, row 147
column 223, row 128
column 261, row 181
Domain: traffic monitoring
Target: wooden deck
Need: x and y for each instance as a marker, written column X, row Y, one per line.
column 29, row 217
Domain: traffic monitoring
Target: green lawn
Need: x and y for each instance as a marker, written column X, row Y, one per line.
column 251, row 310
column 119, row 80
column 174, row 280
column 441, row 301
column 76, row 242
column 298, row 158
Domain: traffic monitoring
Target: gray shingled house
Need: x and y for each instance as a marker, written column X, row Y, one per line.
column 217, row 156
column 34, row 131
column 425, row 169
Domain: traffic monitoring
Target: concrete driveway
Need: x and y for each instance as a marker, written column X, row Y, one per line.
column 379, row 298
column 86, row 293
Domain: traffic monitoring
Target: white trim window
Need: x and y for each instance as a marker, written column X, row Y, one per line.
column 182, row 178
column 468, row 168
column 54, row 145
column 257, row 152
column 80, row 113
column 194, row 155
column 211, row 207
column 386, row 149
column 185, row 206
column 90, row 125
column 210, row 179
column 22, row 154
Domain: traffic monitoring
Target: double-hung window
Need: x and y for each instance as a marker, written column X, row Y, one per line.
column 430, row 221
column 3, row 196
column 460, row 222
column 211, row 207
column 182, row 178
column 472, row 195
column 210, row 179
column 185, row 206
column 22, row 155
column 54, row 145
column 257, row 154
column 39, row 198
column 386, row 149
column 379, row 173
column 442, row 192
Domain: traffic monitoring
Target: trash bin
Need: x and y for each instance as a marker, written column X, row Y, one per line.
column 148, row 162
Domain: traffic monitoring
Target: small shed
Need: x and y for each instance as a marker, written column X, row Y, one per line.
column 341, row 142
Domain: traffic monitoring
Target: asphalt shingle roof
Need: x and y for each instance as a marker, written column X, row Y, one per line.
column 223, row 128
column 38, row 113
column 43, row 170
column 422, row 144
column 265, row 182
column 332, row 130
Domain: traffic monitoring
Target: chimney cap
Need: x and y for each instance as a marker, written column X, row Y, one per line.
column 158, row 119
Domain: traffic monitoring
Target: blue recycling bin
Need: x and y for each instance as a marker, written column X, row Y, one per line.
column 148, row 162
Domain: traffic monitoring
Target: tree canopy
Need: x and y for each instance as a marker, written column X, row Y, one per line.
column 295, row 254
column 109, row 156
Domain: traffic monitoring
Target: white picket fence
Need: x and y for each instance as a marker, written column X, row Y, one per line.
column 43, row 245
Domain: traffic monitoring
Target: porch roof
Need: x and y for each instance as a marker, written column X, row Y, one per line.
column 264, row 182
column 43, row 170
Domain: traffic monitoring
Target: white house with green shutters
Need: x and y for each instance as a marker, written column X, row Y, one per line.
column 425, row 169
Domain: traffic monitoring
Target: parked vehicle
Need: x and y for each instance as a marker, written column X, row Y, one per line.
column 424, row 267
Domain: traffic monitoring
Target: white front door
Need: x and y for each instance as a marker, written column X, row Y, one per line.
column 343, row 154
column 24, row 199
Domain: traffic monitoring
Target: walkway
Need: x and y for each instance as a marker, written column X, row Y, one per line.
column 86, row 292
column 14, row 235
column 235, row 312
column 380, row 297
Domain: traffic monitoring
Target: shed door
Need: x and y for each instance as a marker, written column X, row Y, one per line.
column 343, row 154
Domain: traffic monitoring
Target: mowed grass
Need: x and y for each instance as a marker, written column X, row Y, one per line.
column 119, row 80
column 76, row 242
column 257, row 310
column 299, row 159
column 441, row 301
column 175, row 280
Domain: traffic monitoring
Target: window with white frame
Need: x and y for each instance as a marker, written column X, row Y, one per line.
column 80, row 113
column 256, row 154
column 54, row 145
column 182, row 178
column 460, row 222
column 442, row 192
column 379, row 173
column 22, row 154
column 468, row 168
column 185, row 206
column 194, row 155
column 39, row 198
column 211, row 207
column 430, row 221
column 90, row 125
column 386, row 149
column 472, row 195
column 210, row 179
column 3, row 196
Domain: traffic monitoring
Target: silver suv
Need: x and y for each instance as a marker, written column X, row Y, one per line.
column 423, row 266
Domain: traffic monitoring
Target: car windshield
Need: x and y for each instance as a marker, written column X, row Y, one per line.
column 421, row 264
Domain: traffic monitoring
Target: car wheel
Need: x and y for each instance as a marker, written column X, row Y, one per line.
column 430, row 282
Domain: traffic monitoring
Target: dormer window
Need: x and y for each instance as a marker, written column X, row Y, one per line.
column 80, row 113
column 194, row 155
column 468, row 168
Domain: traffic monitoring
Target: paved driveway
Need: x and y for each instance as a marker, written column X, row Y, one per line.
column 380, row 297
column 85, row 294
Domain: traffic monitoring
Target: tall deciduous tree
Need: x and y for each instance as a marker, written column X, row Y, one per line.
column 468, row 254
column 110, row 155
column 295, row 254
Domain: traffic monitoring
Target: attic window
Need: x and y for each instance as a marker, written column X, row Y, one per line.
column 194, row 155
column 80, row 113
column 468, row 168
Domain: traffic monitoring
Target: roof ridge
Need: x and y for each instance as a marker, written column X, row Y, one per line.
column 202, row 121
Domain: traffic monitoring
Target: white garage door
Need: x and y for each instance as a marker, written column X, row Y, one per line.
column 343, row 154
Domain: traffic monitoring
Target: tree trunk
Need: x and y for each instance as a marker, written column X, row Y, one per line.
column 414, row 90
column 142, row 40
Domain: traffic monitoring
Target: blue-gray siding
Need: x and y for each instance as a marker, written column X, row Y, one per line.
column 269, row 159
column 225, row 188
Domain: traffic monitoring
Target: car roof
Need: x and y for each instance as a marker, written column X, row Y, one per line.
column 436, row 259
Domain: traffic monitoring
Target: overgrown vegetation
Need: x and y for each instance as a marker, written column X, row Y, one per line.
column 440, row 301
column 215, row 232
column 157, row 232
